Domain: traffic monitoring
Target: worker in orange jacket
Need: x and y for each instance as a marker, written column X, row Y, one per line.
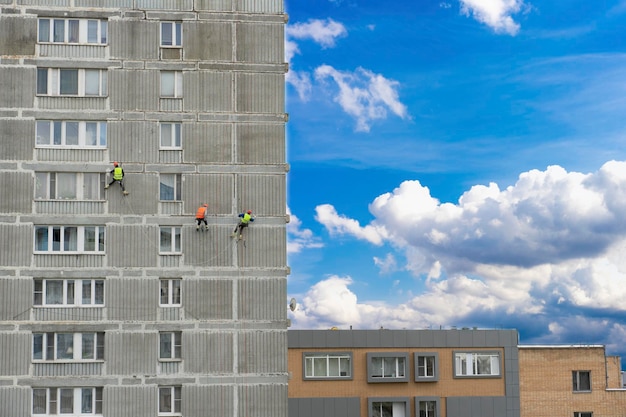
column 201, row 217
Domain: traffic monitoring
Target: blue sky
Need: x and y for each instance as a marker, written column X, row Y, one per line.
column 459, row 163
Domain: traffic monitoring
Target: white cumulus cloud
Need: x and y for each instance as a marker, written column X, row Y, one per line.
column 497, row 14
column 323, row 32
column 299, row 238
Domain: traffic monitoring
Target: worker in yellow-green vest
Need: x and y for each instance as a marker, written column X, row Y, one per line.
column 245, row 219
column 117, row 174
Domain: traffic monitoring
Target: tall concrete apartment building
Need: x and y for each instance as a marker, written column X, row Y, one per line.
column 114, row 305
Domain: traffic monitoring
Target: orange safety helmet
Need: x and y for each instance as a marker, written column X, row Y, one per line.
column 115, row 164
column 205, row 205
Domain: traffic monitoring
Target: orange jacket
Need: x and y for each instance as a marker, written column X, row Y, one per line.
column 201, row 213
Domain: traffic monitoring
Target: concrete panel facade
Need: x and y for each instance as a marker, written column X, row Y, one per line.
column 129, row 274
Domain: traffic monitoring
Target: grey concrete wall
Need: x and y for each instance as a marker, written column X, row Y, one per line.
column 327, row 407
column 18, row 35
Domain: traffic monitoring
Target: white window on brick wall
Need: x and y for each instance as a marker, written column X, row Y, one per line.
column 171, row 135
column 171, row 84
column 171, row 34
column 68, row 347
column 327, row 365
column 388, row 407
column 68, row 292
column 71, row 134
column 73, row 239
column 170, row 294
column 69, row 186
column 76, row 82
column 67, row 401
column 81, row 31
column 477, row 364
column 170, row 401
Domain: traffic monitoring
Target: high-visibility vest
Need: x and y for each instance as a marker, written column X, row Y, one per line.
column 118, row 174
column 246, row 218
column 201, row 212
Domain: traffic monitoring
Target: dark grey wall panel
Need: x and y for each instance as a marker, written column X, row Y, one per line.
column 214, row 189
column 207, row 91
column 132, row 299
column 327, row 407
column 208, row 352
column 261, row 144
column 17, row 86
column 262, row 400
column 131, row 353
column 15, row 353
column 477, row 407
column 207, row 142
column 207, row 400
column 19, row 253
column 260, row 93
column 16, row 189
column 18, row 35
column 131, row 90
column 262, row 299
column 262, row 351
column 132, row 245
column 208, row 41
column 260, row 42
column 15, row 401
column 17, row 139
column 208, row 299
column 134, row 39
column 130, row 401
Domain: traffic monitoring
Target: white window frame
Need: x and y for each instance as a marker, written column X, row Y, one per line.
column 170, row 291
column 583, row 413
column 387, row 367
column 48, row 186
column 171, row 407
column 171, row 135
column 426, row 366
column 337, row 365
column 80, row 406
column 54, row 134
column 424, row 402
column 176, row 81
column 576, row 380
column 84, row 347
column 473, row 364
column 85, row 29
column 177, row 34
column 53, row 82
column 176, row 190
column 175, row 243
column 173, row 342
column 81, row 239
column 399, row 407
column 74, row 292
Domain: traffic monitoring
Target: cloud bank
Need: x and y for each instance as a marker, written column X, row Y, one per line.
column 551, row 247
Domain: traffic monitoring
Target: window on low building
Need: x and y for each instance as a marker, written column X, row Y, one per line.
column 426, row 366
column 476, row 364
column 583, row 414
column 427, row 406
column 320, row 365
column 581, row 381
column 388, row 407
column 387, row 367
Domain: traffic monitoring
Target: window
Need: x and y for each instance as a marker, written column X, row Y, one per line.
column 426, row 366
column 70, row 347
column 73, row 31
column 169, row 401
column 75, row 239
column 171, row 34
column 69, row 186
column 387, row 367
column 170, row 240
column 427, row 406
column 71, row 82
column 170, row 292
column 170, row 187
column 581, row 381
column 169, row 345
column 172, row 84
column 71, row 134
column 388, row 407
column 476, row 364
column 75, row 401
column 328, row 365
column 583, row 414
column 69, row 292
column 171, row 136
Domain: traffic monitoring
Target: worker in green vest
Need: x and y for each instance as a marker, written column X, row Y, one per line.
column 245, row 219
column 117, row 174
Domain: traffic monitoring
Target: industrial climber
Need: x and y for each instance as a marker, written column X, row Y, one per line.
column 245, row 219
column 201, row 217
column 117, row 174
